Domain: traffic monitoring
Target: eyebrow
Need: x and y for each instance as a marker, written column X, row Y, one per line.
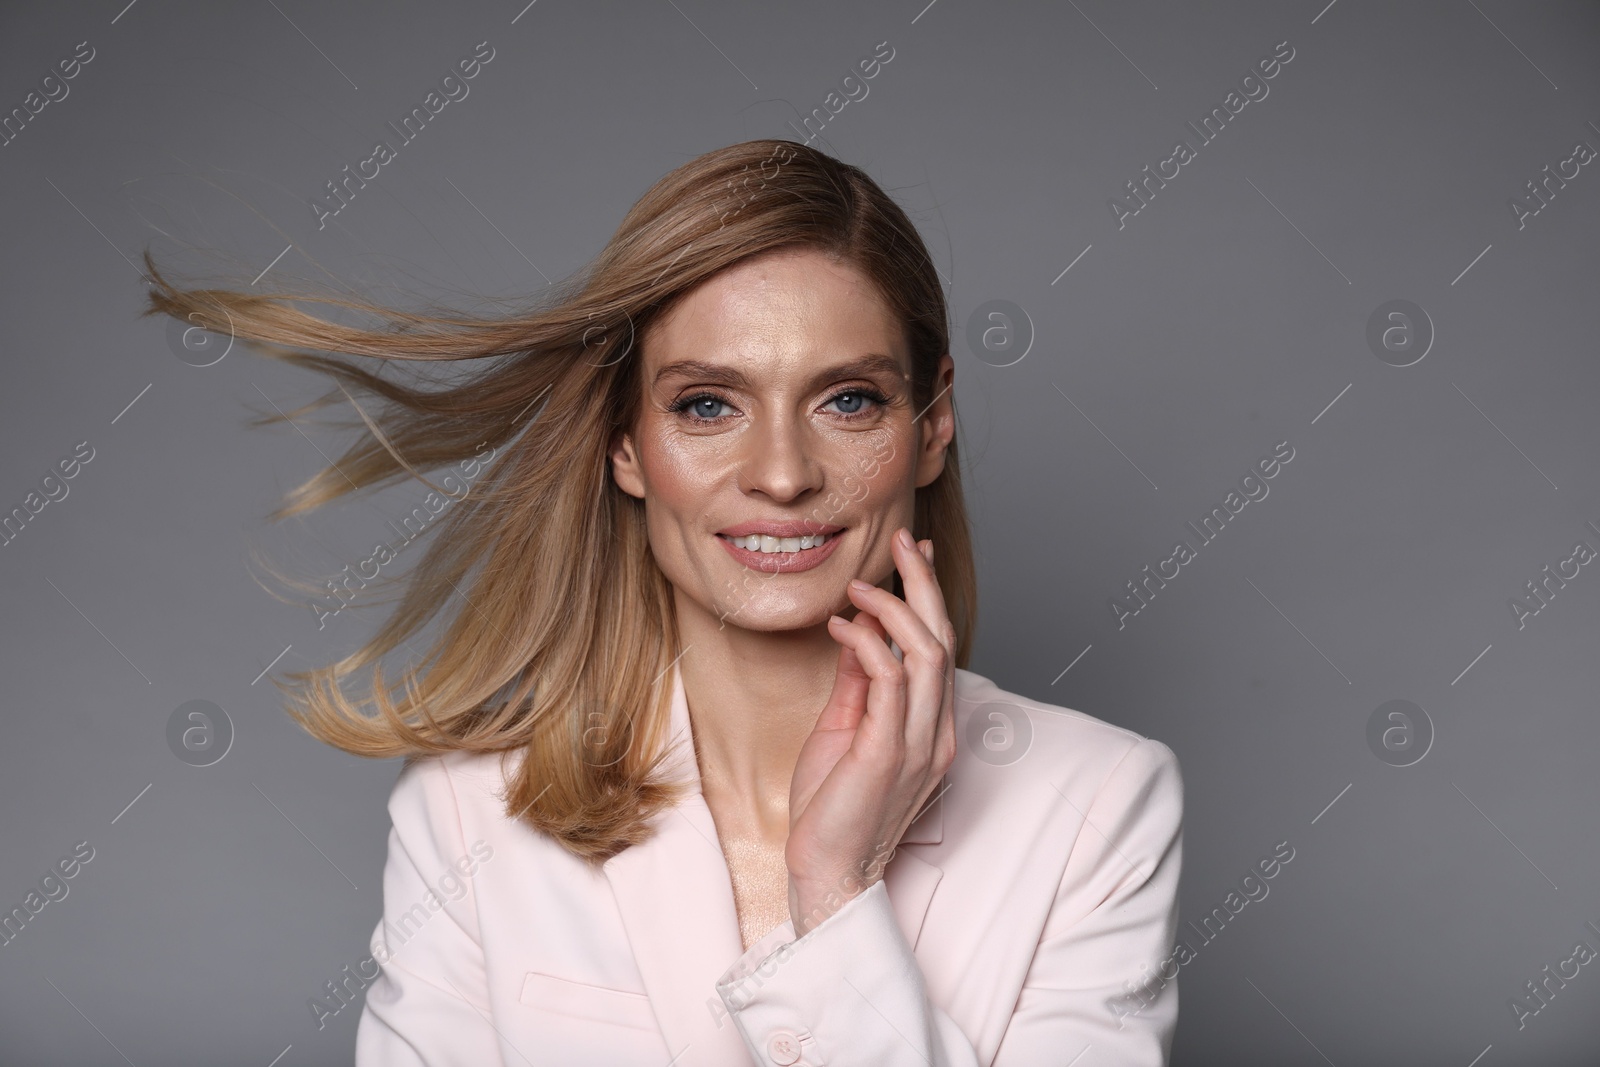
column 862, row 367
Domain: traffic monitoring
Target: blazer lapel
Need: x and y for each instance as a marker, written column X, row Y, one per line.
column 676, row 901
column 677, row 906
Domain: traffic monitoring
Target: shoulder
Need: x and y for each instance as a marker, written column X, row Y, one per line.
column 1054, row 789
column 1050, row 810
column 447, row 791
column 1034, row 741
column 444, row 806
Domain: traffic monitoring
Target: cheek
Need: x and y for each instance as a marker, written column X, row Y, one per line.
column 683, row 476
column 883, row 468
column 678, row 474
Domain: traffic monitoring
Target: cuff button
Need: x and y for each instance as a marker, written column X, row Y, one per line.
column 784, row 1048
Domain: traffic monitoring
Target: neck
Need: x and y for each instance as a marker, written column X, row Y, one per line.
column 753, row 699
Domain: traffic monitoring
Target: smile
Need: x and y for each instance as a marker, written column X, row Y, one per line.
column 765, row 543
column 766, row 552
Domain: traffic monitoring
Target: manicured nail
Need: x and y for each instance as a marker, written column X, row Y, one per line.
column 857, row 583
column 905, row 538
column 836, row 619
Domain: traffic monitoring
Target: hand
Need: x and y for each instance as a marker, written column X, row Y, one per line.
column 880, row 746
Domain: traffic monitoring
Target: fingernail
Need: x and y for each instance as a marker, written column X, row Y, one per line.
column 836, row 619
column 905, row 538
column 857, row 583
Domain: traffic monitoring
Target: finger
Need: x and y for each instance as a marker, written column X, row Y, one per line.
column 871, row 622
column 926, row 663
column 883, row 725
column 847, row 703
column 922, row 590
column 921, row 612
column 851, row 681
column 947, row 636
column 900, row 620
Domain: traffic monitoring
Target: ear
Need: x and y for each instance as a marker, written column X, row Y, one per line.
column 937, row 425
column 625, row 468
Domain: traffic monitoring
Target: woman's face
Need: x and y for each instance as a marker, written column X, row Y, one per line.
column 777, row 403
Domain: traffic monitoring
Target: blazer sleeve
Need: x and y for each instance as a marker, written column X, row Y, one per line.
column 429, row 1003
column 851, row 992
column 1104, row 975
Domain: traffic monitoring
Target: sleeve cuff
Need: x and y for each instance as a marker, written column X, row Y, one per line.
column 851, row 982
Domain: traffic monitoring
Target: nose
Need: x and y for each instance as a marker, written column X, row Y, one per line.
column 780, row 460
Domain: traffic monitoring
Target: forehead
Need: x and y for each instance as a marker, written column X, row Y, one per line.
column 800, row 304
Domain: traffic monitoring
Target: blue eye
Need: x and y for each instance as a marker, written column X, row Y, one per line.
column 857, row 395
column 702, row 407
column 699, row 403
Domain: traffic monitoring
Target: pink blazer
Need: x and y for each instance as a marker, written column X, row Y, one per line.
column 1025, row 917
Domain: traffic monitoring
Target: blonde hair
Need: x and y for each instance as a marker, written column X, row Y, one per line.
column 564, row 621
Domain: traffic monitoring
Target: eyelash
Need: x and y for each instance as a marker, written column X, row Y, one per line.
column 682, row 406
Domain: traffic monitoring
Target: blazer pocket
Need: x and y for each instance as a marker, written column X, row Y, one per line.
column 574, row 999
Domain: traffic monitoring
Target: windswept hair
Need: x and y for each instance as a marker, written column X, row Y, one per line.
column 559, row 635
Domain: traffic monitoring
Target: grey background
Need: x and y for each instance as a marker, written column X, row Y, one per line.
column 1227, row 316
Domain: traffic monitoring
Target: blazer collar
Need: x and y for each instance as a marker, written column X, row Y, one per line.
column 676, row 902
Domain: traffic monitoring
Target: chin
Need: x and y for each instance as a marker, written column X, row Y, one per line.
column 766, row 618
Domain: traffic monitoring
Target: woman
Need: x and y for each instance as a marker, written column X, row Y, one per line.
column 696, row 754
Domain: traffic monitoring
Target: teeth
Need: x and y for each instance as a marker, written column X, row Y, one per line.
column 765, row 543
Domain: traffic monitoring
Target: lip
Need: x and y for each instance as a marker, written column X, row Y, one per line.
column 774, row 528
column 781, row 562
